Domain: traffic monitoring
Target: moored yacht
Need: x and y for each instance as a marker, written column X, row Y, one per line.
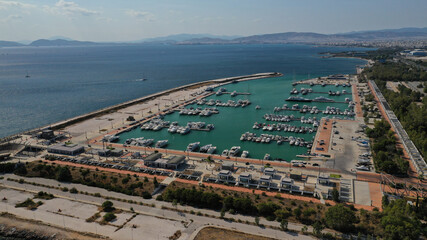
column 193, row 146
column 162, row 143
column 245, row 154
column 234, row 151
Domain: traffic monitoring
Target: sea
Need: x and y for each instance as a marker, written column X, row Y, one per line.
column 64, row 82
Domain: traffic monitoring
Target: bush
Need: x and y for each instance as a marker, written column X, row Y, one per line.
column 107, row 206
column 108, row 217
column 146, row 195
column 64, row 175
column 73, row 190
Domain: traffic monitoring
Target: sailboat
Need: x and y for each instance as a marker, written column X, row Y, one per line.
column 27, row 75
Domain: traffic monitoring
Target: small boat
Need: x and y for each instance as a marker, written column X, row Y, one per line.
column 224, row 153
column 257, row 107
column 211, row 150
column 205, row 148
column 193, row 146
column 234, row 151
column 162, row 143
column 245, row 154
column 267, row 156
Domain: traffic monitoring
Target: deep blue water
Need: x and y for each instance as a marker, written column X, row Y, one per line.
column 70, row 81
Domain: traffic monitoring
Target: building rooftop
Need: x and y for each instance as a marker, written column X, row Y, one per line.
column 245, row 175
column 265, row 178
column 66, row 147
column 225, row 172
column 287, row 180
column 176, row 160
column 269, row 170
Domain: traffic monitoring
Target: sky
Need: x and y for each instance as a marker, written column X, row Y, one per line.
column 133, row 20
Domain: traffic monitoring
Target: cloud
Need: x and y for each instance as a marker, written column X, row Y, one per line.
column 69, row 8
column 9, row 4
column 147, row 16
column 257, row 20
column 11, row 18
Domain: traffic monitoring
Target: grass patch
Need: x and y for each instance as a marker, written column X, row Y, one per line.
column 332, row 175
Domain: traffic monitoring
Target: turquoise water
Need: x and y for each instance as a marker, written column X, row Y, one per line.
column 232, row 122
column 69, row 81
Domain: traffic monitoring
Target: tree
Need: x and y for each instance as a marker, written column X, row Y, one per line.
column 64, row 175
column 340, row 218
column 335, row 195
column 257, row 221
column 108, row 217
column 284, row 225
column 400, row 222
column 385, row 201
column 107, row 206
column 297, row 212
column 317, row 228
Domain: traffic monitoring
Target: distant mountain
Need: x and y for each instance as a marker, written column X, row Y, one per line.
column 282, row 38
column 399, row 30
column 205, row 40
column 60, row 42
column 60, row 37
column 10, row 44
column 385, row 35
column 185, row 37
column 317, row 38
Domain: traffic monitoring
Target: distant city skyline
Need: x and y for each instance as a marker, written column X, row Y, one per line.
column 133, row 20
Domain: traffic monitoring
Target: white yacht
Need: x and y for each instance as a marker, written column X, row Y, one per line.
column 267, row 156
column 162, row 143
column 205, row 148
column 193, row 146
column 234, row 151
column 211, row 150
column 224, row 153
column 245, row 154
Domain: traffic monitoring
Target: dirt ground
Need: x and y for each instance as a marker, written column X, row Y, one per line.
column 211, row 233
column 11, row 221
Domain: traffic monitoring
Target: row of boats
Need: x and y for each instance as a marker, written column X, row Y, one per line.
column 110, row 138
column 155, row 124
column 175, row 128
column 317, row 99
column 288, row 118
column 283, row 127
column 303, row 91
column 194, row 147
column 199, row 111
column 145, row 142
column 268, row 138
column 229, row 103
column 324, row 84
column 295, row 107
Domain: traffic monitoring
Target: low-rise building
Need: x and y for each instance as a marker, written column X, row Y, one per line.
column 265, row 180
column 245, row 177
column 150, row 159
column 66, row 149
column 225, row 175
column 227, row 166
column 287, row 183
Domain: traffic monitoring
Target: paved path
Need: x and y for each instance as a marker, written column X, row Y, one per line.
column 361, row 190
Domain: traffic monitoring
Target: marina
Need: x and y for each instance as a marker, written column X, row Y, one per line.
column 230, row 117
